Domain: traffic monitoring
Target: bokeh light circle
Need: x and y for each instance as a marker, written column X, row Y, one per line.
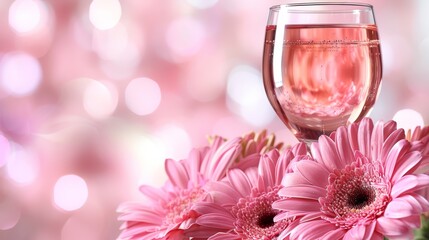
column 142, row 96
column 185, row 36
column 4, row 150
column 27, row 15
column 20, row 73
column 408, row 119
column 175, row 139
column 22, row 165
column 245, row 89
column 202, row 4
column 70, row 192
column 100, row 99
column 105, row 14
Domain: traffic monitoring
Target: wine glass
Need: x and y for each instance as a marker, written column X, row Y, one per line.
column 321, row 65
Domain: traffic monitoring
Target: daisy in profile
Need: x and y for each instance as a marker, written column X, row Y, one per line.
column 241, row 203
column 167, row 210
column 362, row 184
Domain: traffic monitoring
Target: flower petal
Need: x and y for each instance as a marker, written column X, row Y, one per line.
column 364, row 136
column 177, row 173
column 329, row 155
column 266, row 169
column 344, row 150
column 239, row 181
column 155, row 194
column 406, row 206
column 406, row 165
column 312, row 230
column 398, row 150
column 313, row 172
column 409, row 183
column 195, row 160
column 216, row 220
column 397, row 227
column 300, row 205
column 303, row 191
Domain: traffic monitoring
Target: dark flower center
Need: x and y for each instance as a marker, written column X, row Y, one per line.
column 266, row 220
column 356, row 194
column 361, row 197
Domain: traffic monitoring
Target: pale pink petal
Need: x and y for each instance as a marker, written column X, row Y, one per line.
column 248, row 161
column 390, row 141
column 223, row 193
column 299, row 149
column 208, row 207
column 302, row 205
column 209, row 152
column 195, row 159
column 377, row 140
column 352, row 131
column 410, row 183
column 216, row 220
column 223, row 159
column 389, row 127
column 176, row 234
column 364, row 136
column 398, row 150
column 397, row 227
column 334, row 234
column 290, row 179
column 407, row 165
column 177, row 173
column 282, row 166
column 311, row 216
column 224, row 236
column 344, row 150
column 356, row 232
column 403, row 207
column 303, row 191
column 312, row 230
column 239, row 181
column 313, row 172
column 137, row 233
column 155, row 194
column 142, row 216
column 362, row 232
column 328, row 154
column 266, row 169
column 200, row 232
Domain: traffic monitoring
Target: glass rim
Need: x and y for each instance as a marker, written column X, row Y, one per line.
column 309, row 4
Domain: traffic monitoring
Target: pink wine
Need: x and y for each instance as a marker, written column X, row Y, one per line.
column 319, row 77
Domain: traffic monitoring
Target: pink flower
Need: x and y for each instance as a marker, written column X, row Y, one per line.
column 241, row 204
column 361, row 185
column 167, row 211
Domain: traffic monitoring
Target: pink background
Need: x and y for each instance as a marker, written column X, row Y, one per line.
column 92, row 104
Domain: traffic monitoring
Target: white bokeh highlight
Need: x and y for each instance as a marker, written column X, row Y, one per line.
column 22, row 165
column 20, row 73
column 142, row 96
column 100, row 99
column 247, row 97
column 408, row 119
column 105, row 14
column 26, row 16
column 70, row 192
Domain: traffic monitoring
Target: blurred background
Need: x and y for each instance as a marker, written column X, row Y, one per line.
column 94, row 95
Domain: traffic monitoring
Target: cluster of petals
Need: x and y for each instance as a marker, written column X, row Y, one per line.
column 364, row 181
column 241, row 206
column 167, row 211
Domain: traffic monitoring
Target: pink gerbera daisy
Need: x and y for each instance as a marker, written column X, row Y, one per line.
column 361, row 185
column 167, row 210
column 241, row 204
